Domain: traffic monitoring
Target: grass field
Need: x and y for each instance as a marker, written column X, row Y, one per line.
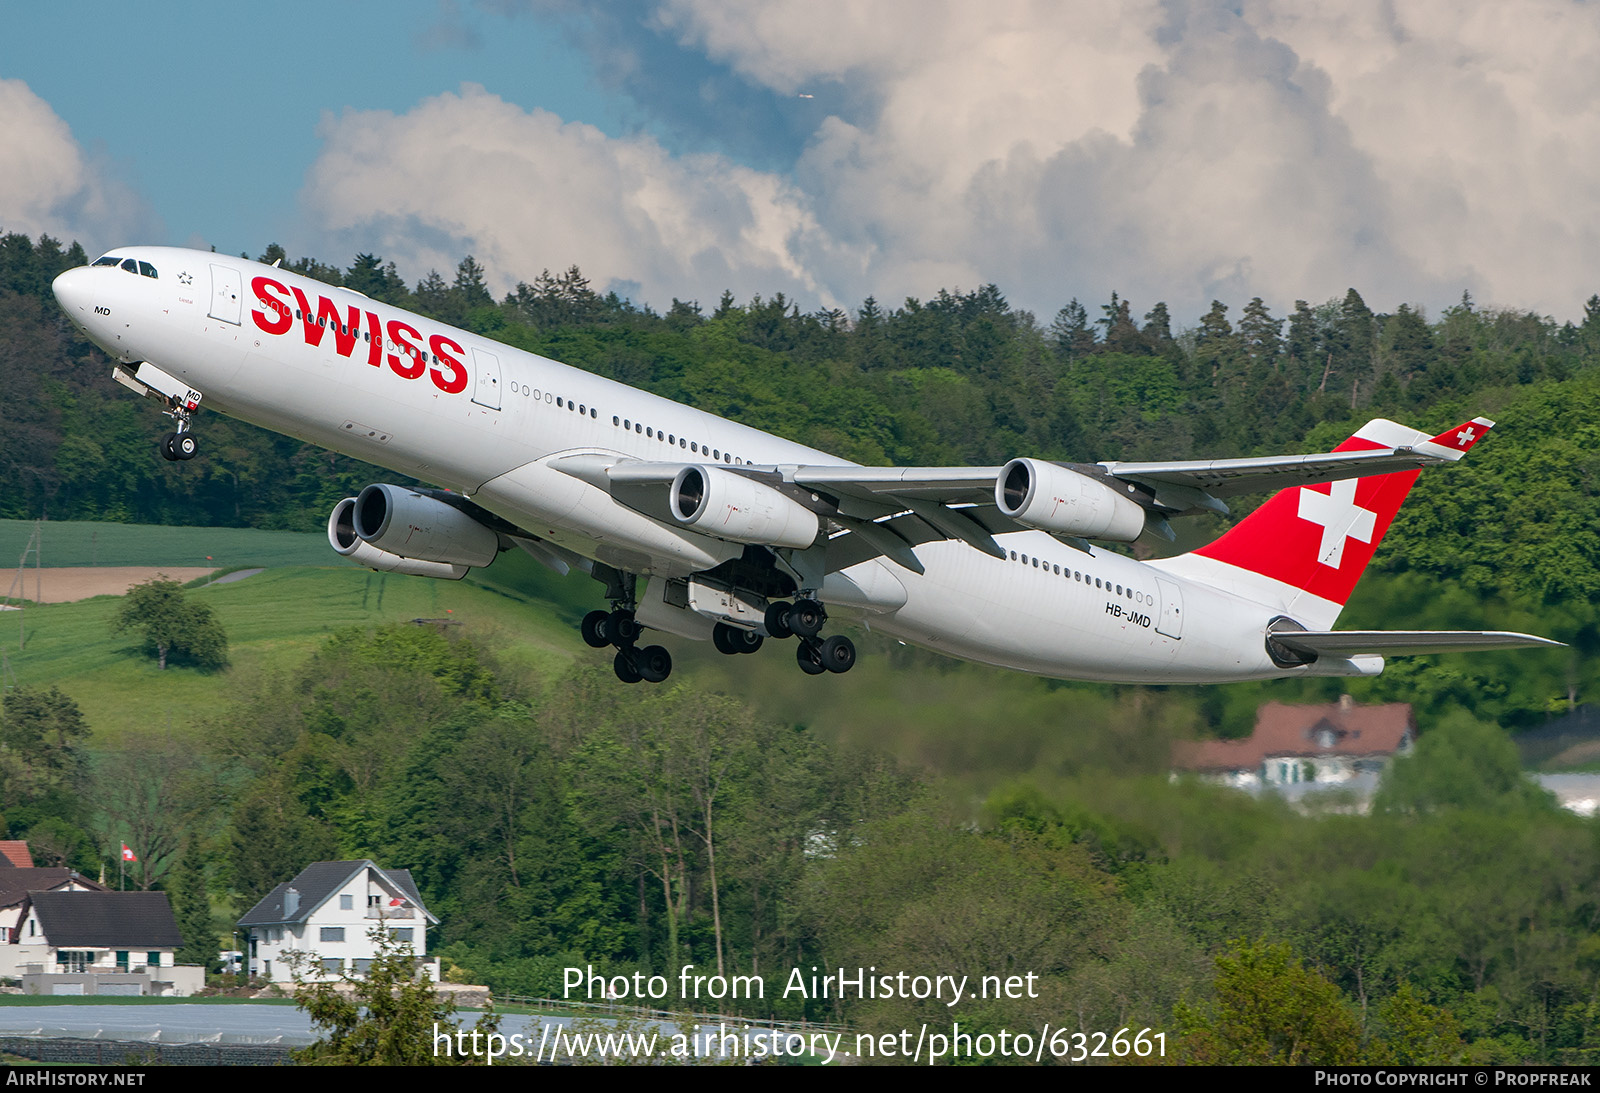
column 75, row 543
column 273, row 620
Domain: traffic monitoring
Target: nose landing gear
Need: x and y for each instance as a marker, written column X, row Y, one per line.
column 180, row 446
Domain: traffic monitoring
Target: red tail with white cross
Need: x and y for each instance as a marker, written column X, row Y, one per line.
column 1320, row 538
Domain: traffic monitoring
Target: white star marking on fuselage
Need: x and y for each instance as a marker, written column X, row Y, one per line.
column 1340, row 518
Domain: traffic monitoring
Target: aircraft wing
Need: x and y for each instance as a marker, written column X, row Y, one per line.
column 888, row 511
column 1228, row 477
column 1351, row 643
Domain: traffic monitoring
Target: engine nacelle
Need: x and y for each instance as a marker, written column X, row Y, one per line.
column 1061, row 501
column 730, row 506
column 343, row 538
column 412, row 525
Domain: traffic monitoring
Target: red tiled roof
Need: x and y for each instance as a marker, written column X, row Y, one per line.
column 15, row 852
column 1304, row 732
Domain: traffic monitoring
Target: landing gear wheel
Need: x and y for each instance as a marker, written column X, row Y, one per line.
column 731, row 639
column 655, row 663
column 186, row 446
column 806, row 618
column 838, row 654
column 622, row 628
column 809, row 658
column 593, row 629
column 777, row 620
column 626, row 666
column 168, row 452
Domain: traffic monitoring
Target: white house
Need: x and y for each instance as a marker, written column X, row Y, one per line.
column 97, row 942
column 1294, row 745
column 326, row 915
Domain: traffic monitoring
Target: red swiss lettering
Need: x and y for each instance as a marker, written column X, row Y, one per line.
column 457, row 381
column 281, row 320
column 344, row 333
column 406, row 336
column 375, row 332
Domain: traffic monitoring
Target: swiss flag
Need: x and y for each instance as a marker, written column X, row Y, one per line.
column 128, row 855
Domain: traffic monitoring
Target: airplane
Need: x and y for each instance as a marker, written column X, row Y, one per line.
column 704, row 528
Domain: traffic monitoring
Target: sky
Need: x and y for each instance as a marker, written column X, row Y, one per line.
column 1175, row 150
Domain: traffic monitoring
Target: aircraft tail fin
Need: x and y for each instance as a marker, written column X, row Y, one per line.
column 1304, row 549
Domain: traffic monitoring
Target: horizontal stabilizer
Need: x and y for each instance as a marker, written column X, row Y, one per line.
column 1351, row 643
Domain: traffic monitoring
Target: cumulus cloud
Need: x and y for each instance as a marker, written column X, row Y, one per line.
column 50, row 185
column 523, row 190
column 1172, row 149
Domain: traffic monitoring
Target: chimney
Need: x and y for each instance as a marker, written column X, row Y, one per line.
column 291, row 903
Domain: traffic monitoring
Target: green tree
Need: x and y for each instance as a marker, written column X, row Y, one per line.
column 1462, row 763
column 192, row 907
column 389, row 1017
column 171, row 623
column 1270, row 1010
column 43, row 729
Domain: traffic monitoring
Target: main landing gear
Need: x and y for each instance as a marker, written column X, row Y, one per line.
column 804, row 620
column 618, row 627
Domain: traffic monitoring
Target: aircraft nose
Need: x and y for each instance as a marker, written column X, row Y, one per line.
column 73, row 292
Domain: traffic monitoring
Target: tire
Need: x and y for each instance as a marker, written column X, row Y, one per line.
column 806, row 618
column 626, row 667
column 747, row 641
column 594, row 631
column 655, row 663
column 622, row 629
column 186, row 446
column 725, row 638
column 169, row 453
column 777, row 620
column 838, row 654
column 810, row 661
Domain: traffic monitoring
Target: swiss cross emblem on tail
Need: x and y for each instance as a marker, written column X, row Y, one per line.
column 1339, row 517
column 1317, row 538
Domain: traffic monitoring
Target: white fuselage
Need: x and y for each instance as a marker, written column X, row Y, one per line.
column 1061, row 612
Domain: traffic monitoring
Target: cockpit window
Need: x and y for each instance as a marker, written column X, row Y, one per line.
column 108, row 260
column 130, row 265
column 146, row 269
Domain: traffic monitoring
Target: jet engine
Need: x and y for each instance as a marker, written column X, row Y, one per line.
column 739, row 509
column 413, row 525
column 343, row 538
column 1061, row 501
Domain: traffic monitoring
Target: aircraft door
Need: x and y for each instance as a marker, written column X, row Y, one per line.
column 1171, row 621
column 486, row 379
column 227, row 294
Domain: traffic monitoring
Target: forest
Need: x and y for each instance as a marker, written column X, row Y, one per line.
column 555, row 819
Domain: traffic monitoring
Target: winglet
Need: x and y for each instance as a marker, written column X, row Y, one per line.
column 1453, row 443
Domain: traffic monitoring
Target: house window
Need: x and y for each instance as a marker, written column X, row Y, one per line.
column 347, row 903
column 333, row 933
column 333, row 965
column 401, row 936
column 122, row 960
column 153, row 959
column 360, row 964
